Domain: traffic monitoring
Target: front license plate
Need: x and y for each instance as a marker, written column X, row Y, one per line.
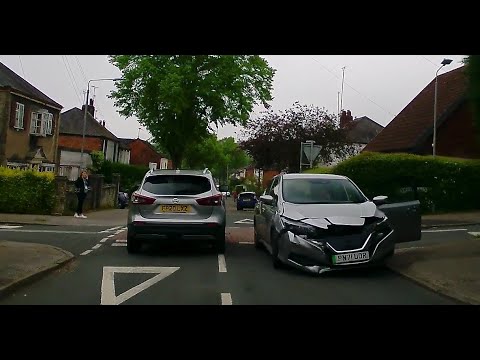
column 351, row 257
column 176, row 209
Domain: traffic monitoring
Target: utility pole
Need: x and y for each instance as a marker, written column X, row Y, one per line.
column 343, row 80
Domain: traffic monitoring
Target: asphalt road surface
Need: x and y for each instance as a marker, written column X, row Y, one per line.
column 191, row 274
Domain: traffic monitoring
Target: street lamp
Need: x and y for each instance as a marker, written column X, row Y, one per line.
column 444, row 62
column 85, row 115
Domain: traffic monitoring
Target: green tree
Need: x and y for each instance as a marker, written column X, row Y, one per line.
column 473, row 71
column 178, row 98
column 220, row 156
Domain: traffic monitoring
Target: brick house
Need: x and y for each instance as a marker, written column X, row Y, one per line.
column 359, row 132
column 97, row 138
column 143, row 153
column 411, row 131
column 28, row 124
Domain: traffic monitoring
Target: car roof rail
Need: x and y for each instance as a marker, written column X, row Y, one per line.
column 206, row 171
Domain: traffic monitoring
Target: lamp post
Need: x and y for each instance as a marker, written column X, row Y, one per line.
column 85, row 115
column 434, row 145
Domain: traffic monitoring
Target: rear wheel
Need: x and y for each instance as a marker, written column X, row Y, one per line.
column 256, row 241
column 133, row 244
column 220, row 242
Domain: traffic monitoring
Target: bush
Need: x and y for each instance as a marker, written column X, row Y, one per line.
column 441, row 184
column 130, row 175
column 26, row 191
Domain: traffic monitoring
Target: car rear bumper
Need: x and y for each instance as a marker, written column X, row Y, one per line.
column 146, row 229
column 316, row 257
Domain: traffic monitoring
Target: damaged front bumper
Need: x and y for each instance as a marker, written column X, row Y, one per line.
column 318, row 256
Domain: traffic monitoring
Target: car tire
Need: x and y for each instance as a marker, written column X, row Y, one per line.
column 277, row 264
column 256, row 242
column 133, row 244
column 220, row 242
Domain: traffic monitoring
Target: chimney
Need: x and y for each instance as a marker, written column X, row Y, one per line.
column 90, row 108
column 345, row 118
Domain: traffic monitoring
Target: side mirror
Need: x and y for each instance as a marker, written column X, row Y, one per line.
column 267, row 199
column 223, row 188
column 380, row 200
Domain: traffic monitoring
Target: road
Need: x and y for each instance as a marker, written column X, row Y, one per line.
column 103, row 273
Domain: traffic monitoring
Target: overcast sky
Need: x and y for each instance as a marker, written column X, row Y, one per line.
column 377, row 86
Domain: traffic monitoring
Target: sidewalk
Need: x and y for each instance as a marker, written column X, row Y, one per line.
column 452, row 269
column 451, row 219
column 21, row 263
column 111, row 217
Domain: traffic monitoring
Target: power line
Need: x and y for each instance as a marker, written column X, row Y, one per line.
column 21, row 65
column 81, row 68
column 71, row 81
column 351, row 87
column 431, row 62
column 73, row 75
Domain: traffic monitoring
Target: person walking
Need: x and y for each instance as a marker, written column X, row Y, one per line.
column 82, row 186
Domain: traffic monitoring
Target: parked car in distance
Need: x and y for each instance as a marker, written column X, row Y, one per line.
column 246, row 200
column 320, row 222
column 177, row 204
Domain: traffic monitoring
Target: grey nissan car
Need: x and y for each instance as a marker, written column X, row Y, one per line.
column 318, row 223
column 177, row 204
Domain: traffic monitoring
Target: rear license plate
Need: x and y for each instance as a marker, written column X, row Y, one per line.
column 175, row 209
column 351, row 257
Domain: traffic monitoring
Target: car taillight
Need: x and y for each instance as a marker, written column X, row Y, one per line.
column 142, row 200
column 215, row 200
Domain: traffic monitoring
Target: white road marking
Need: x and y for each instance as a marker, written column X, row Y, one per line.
column 109, row 236
column 244, row 221
column 108, row 282
column 121, row 240
column 245, row 242
column 119, row 244
column 226, row 298
column 96, row 246
column 114, row 228
column 86, row 252
column 222, row 265
column 10, row 226
column 103, row 240
column 442, row 230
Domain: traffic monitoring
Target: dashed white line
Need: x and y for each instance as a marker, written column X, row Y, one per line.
column 96, row 246
column 109, row 236
column 103, row 240
column 222, row 265
column 119, row 244
column 442, row 230
column 245, row 242
column 86, row 252
column 226, row 298
column 121, row 240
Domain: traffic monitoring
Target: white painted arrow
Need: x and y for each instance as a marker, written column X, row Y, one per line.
column 108, row 281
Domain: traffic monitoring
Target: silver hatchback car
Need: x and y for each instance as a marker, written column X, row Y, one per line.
column 177, row 204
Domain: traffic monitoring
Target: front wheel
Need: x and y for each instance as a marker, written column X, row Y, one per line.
column 277, row 264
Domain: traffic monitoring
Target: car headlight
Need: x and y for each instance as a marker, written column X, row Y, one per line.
column 299, row 228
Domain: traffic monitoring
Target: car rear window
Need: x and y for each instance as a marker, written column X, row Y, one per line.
column 246, row 196
column 177, row 185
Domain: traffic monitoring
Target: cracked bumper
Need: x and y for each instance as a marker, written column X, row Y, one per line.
column 317, row 256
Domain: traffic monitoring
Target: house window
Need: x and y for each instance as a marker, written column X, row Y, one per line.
column 41, row 123
column 19, row 114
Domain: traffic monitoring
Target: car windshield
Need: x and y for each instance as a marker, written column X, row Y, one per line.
column 321, row 191
column 176, row 185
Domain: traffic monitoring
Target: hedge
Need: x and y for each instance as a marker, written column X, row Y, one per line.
column 26, row 191
column 441, row 184
column 130, row 175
